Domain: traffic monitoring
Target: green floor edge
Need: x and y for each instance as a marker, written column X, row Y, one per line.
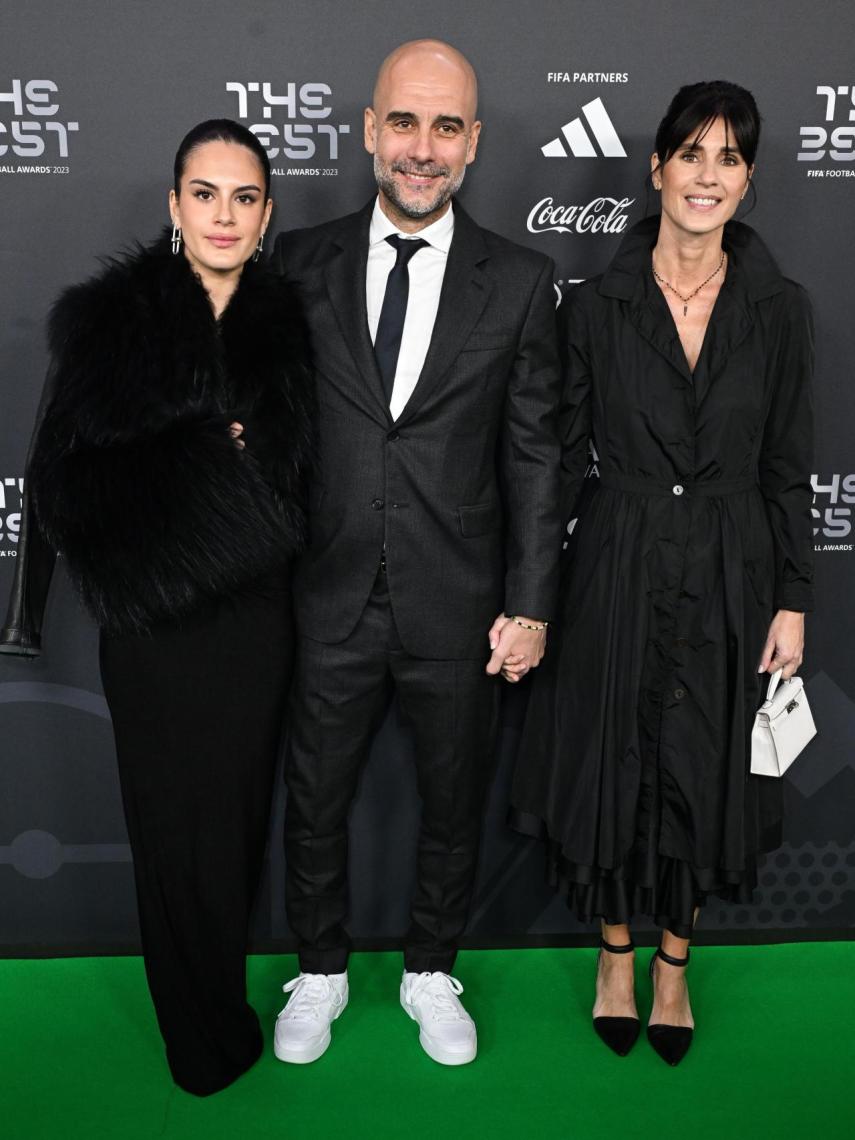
column 80, row 1057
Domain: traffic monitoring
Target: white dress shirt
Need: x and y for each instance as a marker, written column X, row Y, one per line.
column 427, row 269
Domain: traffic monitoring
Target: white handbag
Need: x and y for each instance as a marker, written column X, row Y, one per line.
column 782, row 727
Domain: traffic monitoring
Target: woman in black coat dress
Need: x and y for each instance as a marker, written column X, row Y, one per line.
column 168, row 470
column 689, row 364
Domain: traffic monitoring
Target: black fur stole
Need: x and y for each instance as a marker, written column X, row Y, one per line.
column 134, row 476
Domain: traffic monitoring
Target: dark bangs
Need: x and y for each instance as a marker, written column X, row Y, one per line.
column 694, row 109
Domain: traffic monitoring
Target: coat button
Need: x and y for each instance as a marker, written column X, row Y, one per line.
column 680, row 643
column 393, row 436
column 377, row 504
column 679, row 694
column 677, row 488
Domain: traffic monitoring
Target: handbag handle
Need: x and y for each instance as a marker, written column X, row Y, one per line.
column 773, row 683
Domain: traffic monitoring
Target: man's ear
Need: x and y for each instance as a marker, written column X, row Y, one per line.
column 370, row 130
column 474, row 135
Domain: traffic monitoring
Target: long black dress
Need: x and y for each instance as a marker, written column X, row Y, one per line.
column 634, row 763
column 180, row 544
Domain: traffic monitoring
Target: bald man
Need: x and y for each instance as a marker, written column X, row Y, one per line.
column 434, row 509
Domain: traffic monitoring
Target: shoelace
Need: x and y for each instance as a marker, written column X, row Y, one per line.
column 309, row 992
column 439, row 988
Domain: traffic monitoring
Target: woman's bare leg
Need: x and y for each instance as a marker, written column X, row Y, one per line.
column 671, row 1004
column 615, row 986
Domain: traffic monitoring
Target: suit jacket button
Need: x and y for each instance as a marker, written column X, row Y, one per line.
column 393, row 436
column 680, row 643
column 377, row 504
column 677, row 488
column 679, row 694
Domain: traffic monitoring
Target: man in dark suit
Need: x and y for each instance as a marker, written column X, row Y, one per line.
column 435, row 505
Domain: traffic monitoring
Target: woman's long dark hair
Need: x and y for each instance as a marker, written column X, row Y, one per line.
column 220, row 130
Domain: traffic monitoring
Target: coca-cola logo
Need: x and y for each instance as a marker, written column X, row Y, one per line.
column 600, row 216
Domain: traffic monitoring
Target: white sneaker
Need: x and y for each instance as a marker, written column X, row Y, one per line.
column 447, row 1032
column 303, row 1026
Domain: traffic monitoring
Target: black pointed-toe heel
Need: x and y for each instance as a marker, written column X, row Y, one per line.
column 671, row 1042
column 619, row 1033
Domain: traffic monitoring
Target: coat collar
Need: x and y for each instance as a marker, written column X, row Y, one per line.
column 147, row 318
column 175, row 271
column 752, row 276
column 259, row 332
column 462, row 300
column 759, row 275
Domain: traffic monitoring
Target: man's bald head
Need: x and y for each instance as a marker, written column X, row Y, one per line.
column 421, row 130
column 431, row 60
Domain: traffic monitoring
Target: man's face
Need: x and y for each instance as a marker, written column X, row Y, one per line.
column 423, row 133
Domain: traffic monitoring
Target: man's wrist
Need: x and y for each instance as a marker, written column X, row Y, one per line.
column 528, row 623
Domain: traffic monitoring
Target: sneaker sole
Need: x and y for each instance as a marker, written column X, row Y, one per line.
column 311, row 1053
column 444, row 1056
column 302, row 1056
column 438, row 1052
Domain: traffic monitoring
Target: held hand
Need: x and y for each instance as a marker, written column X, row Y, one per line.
column 785, row 644
column 515, row 650
column 236, row 431
column 515, row 668
column 512, row 668
column 496, row 629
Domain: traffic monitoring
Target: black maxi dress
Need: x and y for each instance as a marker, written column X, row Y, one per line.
column 634, row 758
column 180, row 544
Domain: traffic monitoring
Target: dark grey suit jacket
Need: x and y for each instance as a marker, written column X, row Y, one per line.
column 463, row 488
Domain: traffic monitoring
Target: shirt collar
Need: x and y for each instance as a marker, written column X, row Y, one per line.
column 438, row 233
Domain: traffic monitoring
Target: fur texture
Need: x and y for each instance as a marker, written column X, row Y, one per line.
column 134, row 476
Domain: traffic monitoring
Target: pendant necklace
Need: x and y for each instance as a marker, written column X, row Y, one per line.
column 694, row 292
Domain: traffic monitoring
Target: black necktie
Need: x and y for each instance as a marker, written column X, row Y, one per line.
column 390, row 327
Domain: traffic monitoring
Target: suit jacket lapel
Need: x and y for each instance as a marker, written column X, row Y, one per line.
column 465, row 290
column 345, row 281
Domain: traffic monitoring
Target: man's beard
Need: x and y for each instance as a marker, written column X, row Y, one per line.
column 384, row 174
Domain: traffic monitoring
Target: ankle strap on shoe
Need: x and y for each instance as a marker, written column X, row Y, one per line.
column 617, row 949
column 670, row 959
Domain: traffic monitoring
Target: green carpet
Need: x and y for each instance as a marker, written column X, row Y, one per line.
column 773, row 1056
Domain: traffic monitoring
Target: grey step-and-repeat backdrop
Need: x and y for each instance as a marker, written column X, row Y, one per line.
column 94, row 98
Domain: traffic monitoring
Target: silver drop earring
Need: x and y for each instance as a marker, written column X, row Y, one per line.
column 176, row 238
column 259, row 247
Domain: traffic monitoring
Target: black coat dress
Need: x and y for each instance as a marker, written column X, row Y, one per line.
column 635, row 755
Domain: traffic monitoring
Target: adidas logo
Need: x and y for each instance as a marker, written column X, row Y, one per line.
column 577, row 140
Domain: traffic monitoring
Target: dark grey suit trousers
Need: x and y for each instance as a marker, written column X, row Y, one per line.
column 338, row 699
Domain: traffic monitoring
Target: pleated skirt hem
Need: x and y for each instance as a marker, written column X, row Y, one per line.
column 662, row 888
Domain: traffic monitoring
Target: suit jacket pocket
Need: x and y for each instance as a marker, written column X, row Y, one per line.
column 481, row 518
column 488, row 342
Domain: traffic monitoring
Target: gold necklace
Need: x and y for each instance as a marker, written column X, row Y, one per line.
column 694, row 292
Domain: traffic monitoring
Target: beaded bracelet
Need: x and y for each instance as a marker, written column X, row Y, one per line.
column 525, row 625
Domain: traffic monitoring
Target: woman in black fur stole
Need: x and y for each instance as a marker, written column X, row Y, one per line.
column 168, row 470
